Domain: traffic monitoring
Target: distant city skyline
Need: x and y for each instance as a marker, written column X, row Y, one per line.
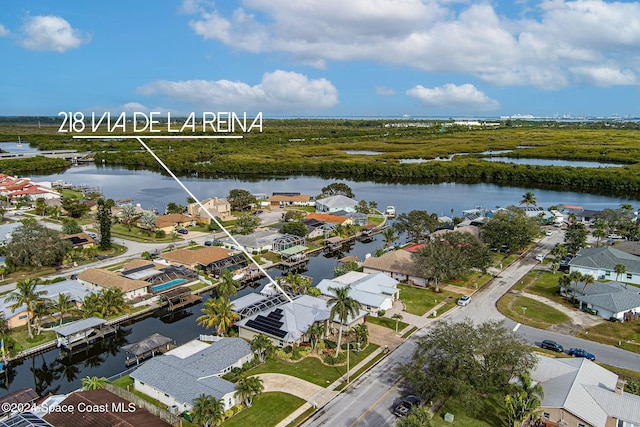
column 359, row 58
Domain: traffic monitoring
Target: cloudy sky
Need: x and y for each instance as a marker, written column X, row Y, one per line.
column 322, row 57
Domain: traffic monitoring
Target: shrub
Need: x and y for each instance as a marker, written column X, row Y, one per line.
column 160, row 234
column 301, row 352
column 381, row 313
column 288, row 349
column 330, row 344
column 281, row 354
column 229, row 413
column 320, row 346
column 331, row 360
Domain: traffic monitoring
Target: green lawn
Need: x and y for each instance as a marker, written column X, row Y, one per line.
column 268, row 409
column 420, row 300
column 387, row 322
column 537, row 314
column 624, row 335
column 21, row 336
column 311, row 368
column 546, row 285
column 490, row 414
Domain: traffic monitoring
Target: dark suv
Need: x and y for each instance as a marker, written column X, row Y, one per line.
column 551, row 345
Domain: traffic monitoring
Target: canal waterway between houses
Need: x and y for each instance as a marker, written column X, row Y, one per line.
column 57, row 372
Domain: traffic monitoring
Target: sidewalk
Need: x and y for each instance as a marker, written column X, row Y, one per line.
column 579, row 319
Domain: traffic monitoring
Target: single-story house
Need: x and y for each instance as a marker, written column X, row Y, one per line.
column 579, row 392
column 217, row 207
column 375, row 291
column 210, row 258
column 24, row 397
column 255, row 242
column 537, row 212
column 181, row 375
column 356, row 218
column 330, row 218
column 470, row 229
column 170, row 222
column 283, row 200
column 336, row 203
column 98, row 279
column 120, row 412
column 601, row 263
column 285, row 322
column 610, row 299
column 156, row 273
column 317, row 228
column 397, row 264
column 79, row 240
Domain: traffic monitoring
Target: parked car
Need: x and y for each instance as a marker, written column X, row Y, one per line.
column 540, row 257
column 258, row 212
column 212, row 242
column 92, row 234
column 614, row 236
column 549, row 232
column 578, row 352
column 464, row 300
column 406, row 404
column 182, row 231
column 551, row 345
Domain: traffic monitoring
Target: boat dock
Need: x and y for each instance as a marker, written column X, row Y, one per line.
column 146, row 348
column 178, row 297
column 82, row 332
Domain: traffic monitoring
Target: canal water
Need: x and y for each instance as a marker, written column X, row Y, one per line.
column 56, row 372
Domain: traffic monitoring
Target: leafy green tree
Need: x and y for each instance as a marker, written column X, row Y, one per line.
column 599, row 231
column 41, row 206
column 91, row 307
column 240, row 200
column 390, row 236
column 208, row 411
column 293, row 215
column 34, row 245
column 219, row 313
column 528, row 199
column 27, row 295
column 362, row 207
column 94, row 383
column 70, row 226
column 314, row 292
column 575, row 278
column 511, row 228
column 175, row 208
column 418, row 417
column 345, row 267
column 228, row 287
column 111, row 301
column 575, row 238
column 148, row 221
column 297, row 284
column 74, row 207
column 342, row 307
column 262, row 347
column 467, row 361
column 337, row 188
column 373, row 205
column 619, row 269
column 416, row 224
column 587, row 280
column 128, row 214
column 316, row 331
column 361, row 333
column 247, row 224
column 104, row 221
column 296, row 228
column 248, row 388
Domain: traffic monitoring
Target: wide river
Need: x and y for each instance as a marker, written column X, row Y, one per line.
column 57, row 373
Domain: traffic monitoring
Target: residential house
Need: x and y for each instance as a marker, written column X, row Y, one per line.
column 601, row 264
column 316, row 228
column 330, row 218
column 286, row 322
column 14, row 187
column 210, row 258
column 397, row 264
column 610, row 299
column 336, row 203
column 578, row 392
column 258, row 241
column 215, row 206
column 79, row 240
column 356, row 218
column 181, row 375
column 281, row 200
column 95, row 408
column 97, row 279
column 170, row 222
column 6, row 230
column 537, row 212
column 375, row 291
column 581, row 214
column 12, row 402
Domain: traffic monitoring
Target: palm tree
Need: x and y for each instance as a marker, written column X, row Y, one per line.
column 361, row 333
column 599, row 231
column 3, row 271
column 316, row 331
column 93, row 383
column 342, row 306
column 619, row 269
column 390, row 236
column 588, row 280
column 112, row 302
column 26, row 294
column 574, row 278
column 207, row 410
column 90, row 306
column 564, row 282
column 523, row 401
column 248, row 388
column 228, row 286
column 218, row 312
column 63, row 306
column 528, row 198
column 397, row 317
column 261, row 346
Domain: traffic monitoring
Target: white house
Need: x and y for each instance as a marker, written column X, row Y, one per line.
column 336, row 203
column 375, row 291
column 601, row 264
column 185, row 373
column 609, row 299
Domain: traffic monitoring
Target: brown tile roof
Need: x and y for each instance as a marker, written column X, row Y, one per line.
column 109, row 279
column 105, row 413
column 78, row 238
column 171, row 219
column 298, row 198
column 24, row 395
column 135, row 263
column 399, row 261
column 327, row 218
column 203, row 256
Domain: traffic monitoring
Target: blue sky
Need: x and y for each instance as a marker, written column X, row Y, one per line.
column 322, row 57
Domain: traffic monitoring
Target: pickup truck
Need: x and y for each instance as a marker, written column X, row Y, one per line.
column 406, row 404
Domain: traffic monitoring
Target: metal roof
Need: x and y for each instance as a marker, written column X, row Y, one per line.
column 79, row 326
column 147, row 344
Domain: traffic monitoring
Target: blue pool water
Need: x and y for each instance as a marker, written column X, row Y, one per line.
column 167, row 285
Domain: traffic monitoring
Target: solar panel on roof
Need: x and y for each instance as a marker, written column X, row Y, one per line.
column 266, row 320
column 136, row 269
column 267, row 329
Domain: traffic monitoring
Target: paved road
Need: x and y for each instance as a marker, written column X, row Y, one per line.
column 369, row 401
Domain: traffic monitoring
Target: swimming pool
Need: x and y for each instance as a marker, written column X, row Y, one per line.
column 167, row 285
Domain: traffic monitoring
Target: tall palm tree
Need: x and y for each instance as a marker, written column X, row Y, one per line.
column 261, row 346
column 397, row 317
column 248, row 388
column 528, row 198
column 62, row 306
column 218, row 312
column 390, row 236
column 26, row 294
column 342, row 306
column 112, row 301
column 523, row 401
column 228, row 287
column 599, row 231
column 619, row 269
column 207, row 410
column 93, row 383
column 575, row 277
column 588, row 280
column 90, row 306
column 316, row 331
column 361, row 333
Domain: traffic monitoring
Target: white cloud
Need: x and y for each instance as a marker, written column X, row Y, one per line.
column 129, row 108
column 279, row 91
column 463, row 98
column 549, row 45
column 50, row 33
column 384, row 91
column 4, row 31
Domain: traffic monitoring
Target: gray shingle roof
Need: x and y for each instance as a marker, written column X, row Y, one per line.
column 185, row 379
column 612, row 296
column 606, row 258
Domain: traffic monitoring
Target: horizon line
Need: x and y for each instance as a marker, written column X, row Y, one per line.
column 158, row 136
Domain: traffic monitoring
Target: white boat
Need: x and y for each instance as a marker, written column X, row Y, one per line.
column 390, row 212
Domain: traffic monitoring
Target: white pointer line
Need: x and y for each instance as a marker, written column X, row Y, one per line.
column 158, row 137
column 244, row 251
